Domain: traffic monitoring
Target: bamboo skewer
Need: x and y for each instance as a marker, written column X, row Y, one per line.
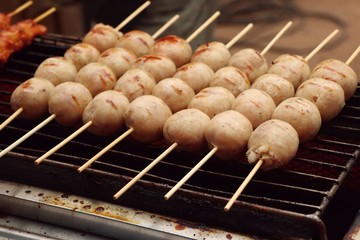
column 104, row 150
column 165, row 26
column 321, row 45
column 133, row 15
column 278, row 35
column 238, row 36
column 44, row 15
column 353, row 56
column 20, row 8
column 202, row 27
column 190, row 173
column 145, row 170
column 27, row 135
column 10, row 118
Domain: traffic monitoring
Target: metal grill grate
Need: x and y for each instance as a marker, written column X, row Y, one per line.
column 292, row 199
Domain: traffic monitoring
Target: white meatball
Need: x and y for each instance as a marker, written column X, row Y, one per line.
column 160, row 67
column 294, row 68
column 173, row 47
column 68, row 101
column 139, row 42
column 251, row 62
column 254, row 104
column 57, row 70
column 276, row 86
column 214, row 54
column 229, row 131
column 328, row 96
column 339, row 72
column 118, row 59
column 102, row 37
column 232, row 79
column 32, row 96
column 97, row 77
column 81, row 54
column 197, row 75
column 187, row 129
column 176, row 93
column 135, row 83
column 275, row 142
column 106, row 111
column 212, row 100
column 302, row 114
column 147, row 115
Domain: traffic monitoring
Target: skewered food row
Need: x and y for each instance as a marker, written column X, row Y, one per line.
column 134, row 128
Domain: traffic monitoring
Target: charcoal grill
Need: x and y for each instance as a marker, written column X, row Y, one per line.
column 291, row 203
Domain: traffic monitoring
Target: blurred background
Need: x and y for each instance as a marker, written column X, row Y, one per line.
column 312, row 22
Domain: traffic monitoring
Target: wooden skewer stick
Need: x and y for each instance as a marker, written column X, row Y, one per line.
column 133, row 15
column 202, row 27
column 103, row 151
column 63, row 142
column 238, row 36
column 45, row 14
column 10, row 118
column 278, row 35
column 321, row 45
column 20, row 8
column 165, row 26
column 27, row 135
column 189, row 174
column 243, row 185
column 350, row 59
column 145, row 170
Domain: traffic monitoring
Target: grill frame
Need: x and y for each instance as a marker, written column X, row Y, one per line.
column 248, row 215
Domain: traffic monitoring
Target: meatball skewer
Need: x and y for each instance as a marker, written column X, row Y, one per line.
column 271, row 145
column 185, row 130
column 252, row 62
column 227, row 135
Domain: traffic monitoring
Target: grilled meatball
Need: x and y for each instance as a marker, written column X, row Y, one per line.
column 212, row 100
column 176, row 93
column 57, row 70
column 106, row 111
column 328, row 96
column 32, row 96
column 232, row 79
column 138, row 42
column 160, row 67
column 196, row 74
column 275, row 142
column 293, row 68
column 147, row 115
column 254, row 104
column 68, row 101
column 214, row 54
column 302, row 114
column 81, row 54
column 173, row 47
column 339, row 72
column 229, row 131
column 251, row 62
column 118, row 59
column 102, row 37
column 187, row 129
column 135, row 83
column 97, row 77
column 276, row 86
